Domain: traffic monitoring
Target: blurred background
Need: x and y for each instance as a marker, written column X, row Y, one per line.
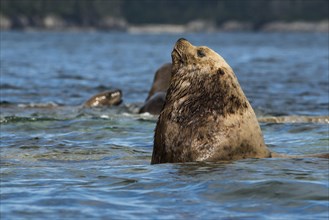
column 174, row 16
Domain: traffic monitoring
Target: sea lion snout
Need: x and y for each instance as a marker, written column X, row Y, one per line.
column 181, row 40
column 178, row 54
column 177, row 59
column 181, row 45
column 115, row 94
column 114, row 97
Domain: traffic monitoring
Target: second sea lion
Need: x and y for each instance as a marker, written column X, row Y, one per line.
column 105, row 99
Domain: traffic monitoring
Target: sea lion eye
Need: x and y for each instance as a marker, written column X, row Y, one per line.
column 201, row 53
column 220, row 71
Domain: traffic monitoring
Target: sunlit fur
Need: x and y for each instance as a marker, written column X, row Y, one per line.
column 206, row 116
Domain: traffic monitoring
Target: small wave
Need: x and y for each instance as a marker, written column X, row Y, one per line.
column 9, row 86
column 266, row 59
column 5, row 103
column 105, row 116
column 14, row 119
column 141, row 117
column 70, row 76
column 147, row 117
column 102, row 87
column 133, row 108
column 281, row 189
column 295, row 119
column 39, row 105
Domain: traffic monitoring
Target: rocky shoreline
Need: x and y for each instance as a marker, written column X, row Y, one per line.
column 54, row 23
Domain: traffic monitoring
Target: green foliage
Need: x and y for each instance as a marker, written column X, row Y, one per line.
column 89, row 12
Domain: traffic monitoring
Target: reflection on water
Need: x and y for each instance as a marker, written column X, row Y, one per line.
column 61, row 161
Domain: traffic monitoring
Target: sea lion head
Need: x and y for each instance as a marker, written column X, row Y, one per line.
column 196, row 58
column 105, row 99
column 202, row 81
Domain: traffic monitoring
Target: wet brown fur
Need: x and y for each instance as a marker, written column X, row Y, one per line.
column 105, row 99
column 157, row 94
column 206, row 116
column 161, row 80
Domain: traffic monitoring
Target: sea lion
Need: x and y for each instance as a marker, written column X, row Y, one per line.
column 156, row 96
column 206, row 116
column 105, row 99
column 161, row 80
column 154, row 104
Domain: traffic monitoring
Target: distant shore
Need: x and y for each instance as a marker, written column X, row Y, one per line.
column 54, row 23
column 233, row 26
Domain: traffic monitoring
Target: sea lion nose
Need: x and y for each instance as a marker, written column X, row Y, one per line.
column 181, row 39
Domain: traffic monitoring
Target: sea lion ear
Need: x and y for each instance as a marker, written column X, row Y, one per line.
column 220, row 71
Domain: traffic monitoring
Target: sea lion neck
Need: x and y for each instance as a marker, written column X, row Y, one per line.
column 220, row 94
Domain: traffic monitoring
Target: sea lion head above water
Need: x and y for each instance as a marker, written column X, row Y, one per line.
column 105, row 99
column 206, row 116
column 201, row 59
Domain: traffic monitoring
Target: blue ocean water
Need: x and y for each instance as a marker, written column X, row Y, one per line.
column 61, row 161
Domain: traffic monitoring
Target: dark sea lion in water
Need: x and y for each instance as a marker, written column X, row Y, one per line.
column 105, row 99
column 156, row 97
column 161, row 80
column 154, row 104
column 206, row 116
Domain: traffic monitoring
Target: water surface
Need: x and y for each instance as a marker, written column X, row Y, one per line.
column 60, row 161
